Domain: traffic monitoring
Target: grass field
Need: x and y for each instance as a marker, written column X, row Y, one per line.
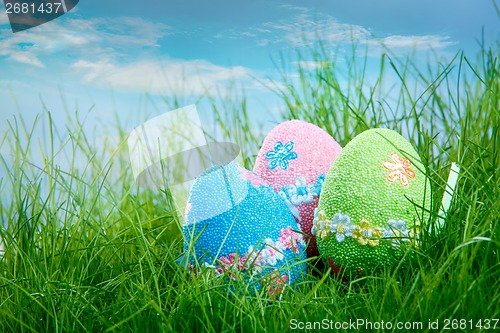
column 86, row 250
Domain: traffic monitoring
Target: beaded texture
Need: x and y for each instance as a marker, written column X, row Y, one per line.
column 252, row 230
column 294, row 159
column 368, row 210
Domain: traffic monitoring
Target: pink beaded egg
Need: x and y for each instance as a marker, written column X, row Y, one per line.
column 294, row 159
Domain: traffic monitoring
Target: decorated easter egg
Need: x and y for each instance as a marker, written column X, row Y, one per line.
column 373, row 201
column 294, row 159
column 236, row 223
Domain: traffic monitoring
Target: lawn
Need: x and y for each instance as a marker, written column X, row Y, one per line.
column 85, row 249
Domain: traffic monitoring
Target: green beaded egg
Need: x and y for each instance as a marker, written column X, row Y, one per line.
column 374, row 200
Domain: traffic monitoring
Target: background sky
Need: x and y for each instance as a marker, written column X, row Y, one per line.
column 124, row 58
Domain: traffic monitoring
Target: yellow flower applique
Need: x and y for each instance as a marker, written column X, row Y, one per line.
column 365, row 234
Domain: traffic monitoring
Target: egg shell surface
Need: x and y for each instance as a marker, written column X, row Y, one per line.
column 294, row 159
column 368, row 212
column 239, row 223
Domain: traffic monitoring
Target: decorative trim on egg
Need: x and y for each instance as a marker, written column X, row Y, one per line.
column 275, row 282
column 399, row 168
column 364, row 233
column 268, row 256
column 281, row 155
column 300, row 192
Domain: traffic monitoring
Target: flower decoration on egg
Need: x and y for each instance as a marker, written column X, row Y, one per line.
column 282, row 155
column 399, row 168
column 271, row 255
column 365, row 234
column 275, row 282
column 320, row 224
column 300, row 192
column 290, row 239
column 341, row 227
column 397, row 229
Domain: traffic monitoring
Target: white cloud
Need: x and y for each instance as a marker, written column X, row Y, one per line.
column 263, row 30
column 8, row 86
column 95, row 37
column 304, row 30
column 426, row 42
column 308, row 64
column 233, row 34
column 4, row 19
column 128, row 31
column 164, row 77
column 25, row 58
column 107, row 48
column 294, row 8
column 263, row 42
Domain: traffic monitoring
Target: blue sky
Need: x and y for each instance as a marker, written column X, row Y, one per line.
column 125, row 57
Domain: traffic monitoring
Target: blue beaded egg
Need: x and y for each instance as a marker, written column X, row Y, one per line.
column 235, row 222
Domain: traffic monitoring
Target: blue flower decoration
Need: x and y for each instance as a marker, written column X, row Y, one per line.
column 316, row 188
column 281, row 155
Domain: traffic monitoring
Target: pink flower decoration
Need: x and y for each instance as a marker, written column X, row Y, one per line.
column 249, row 175
column 290, row 239
column 231, row 257
column 226, row 261
column 242, row 263
column 276, row 282
column 231, row 262
column 281, row 280
column 255, row 258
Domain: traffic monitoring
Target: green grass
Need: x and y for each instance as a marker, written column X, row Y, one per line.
column 86, row 250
